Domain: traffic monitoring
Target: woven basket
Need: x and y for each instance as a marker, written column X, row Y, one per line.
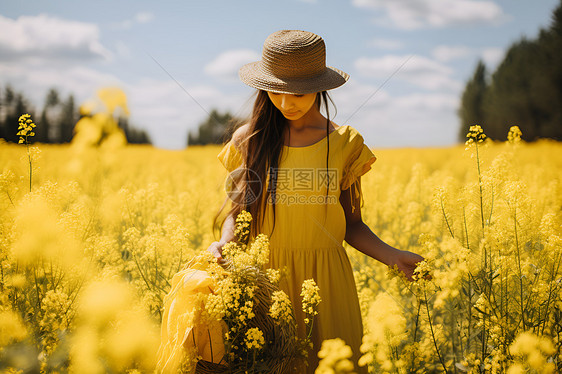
column 280, row 339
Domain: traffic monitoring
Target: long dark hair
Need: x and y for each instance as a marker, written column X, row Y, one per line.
column 262, row 148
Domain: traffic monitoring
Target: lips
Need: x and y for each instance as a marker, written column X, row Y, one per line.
column 290, row 114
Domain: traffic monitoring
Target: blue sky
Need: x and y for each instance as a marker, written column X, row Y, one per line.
column 78, row 47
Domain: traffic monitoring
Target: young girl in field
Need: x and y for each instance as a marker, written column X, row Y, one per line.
column 300, row 177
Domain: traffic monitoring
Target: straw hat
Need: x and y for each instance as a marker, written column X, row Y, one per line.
column 293, row 62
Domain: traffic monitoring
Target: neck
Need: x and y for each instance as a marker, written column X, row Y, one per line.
column 312, row 119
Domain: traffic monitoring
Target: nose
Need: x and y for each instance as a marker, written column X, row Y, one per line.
column 286, row 101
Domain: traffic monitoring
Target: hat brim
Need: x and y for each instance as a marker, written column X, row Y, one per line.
column 254, row 76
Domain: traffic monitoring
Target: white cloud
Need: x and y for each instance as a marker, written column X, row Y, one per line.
column 46, row 37
column 227, row 64
column 34, row 82
column 446, row 53
column 417, row 70
column 167, row 112
column 160, row 107
column 122, row 49
column 144, row 17
column 383, row 43
column 492, row 56
column 140, row 17
column 415, row 14
column 384, row 120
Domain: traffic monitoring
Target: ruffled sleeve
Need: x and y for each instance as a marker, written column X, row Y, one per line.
column 230, row 157
column 358, row 161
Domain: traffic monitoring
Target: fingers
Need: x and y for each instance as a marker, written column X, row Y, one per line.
column 214, row 248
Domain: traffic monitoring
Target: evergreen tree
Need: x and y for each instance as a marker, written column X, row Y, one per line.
column 472, row 103
column 15, row 104
column 213, row 130
column 512, row 93
column 551, row 79
column 525, row 90
column 50, row 117
column 69, row 117
column 133, row 135
column 7, row 104
column 2, row 108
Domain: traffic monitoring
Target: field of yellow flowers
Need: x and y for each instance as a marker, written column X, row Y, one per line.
column 91, row 237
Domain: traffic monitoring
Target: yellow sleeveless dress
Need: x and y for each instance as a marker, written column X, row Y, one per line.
column 310, row 228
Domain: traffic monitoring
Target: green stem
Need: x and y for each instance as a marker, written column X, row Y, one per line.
column 480, row 186
column 432, row 332
column 211, row 345
column 10, row 198
column 30, row 163
column 550, row 292
column 1, row 277
column 446, row 220
column 469, row 282
column 519, row 266
column 412, row 359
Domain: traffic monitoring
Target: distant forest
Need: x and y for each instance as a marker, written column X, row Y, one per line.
column 525, row 90
column 55, row 122
column 216, row 129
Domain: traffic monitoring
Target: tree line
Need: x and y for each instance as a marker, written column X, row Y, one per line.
column 524, row 90
column 216, row 129
column 56, row 120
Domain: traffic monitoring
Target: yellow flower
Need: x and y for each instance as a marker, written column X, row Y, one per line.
column 514, row 135
column 25, row 128
column 475, row 134
column 12, row 328
column 534, row 351
column 422, row 270
column 281, row 309
column 335, row 355
column 259, row 250
column 273, row 275
column 310, row 297
column 254, row 338
column 243, row 222
column 113, row 98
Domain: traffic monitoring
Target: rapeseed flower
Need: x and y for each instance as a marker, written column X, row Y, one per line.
column 254, row 338
column 475, row 135
column 281, row 309
column 242, row 228
column 12, row 328
column 335, row 358
column 514, row 135
column 25, row 128
column 533, row 351
column 310, row 297
column 422, row 271
column 132, row 230
column 386, row 327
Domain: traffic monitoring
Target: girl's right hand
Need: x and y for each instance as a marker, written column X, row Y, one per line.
column 216, row 249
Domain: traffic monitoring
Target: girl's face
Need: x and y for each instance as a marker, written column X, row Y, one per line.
column 292, row 106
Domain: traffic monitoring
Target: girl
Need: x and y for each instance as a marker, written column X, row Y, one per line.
column 299, row 175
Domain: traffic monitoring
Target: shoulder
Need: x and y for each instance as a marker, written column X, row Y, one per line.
column 240, row 134
column 350, row 135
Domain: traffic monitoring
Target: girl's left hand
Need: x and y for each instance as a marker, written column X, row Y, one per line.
column 407, row 262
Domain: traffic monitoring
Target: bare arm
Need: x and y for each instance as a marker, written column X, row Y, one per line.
column 360, row 237
column 228, row 230
column 227, row 233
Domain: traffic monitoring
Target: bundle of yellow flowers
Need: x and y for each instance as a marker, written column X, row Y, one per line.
column 232, row 318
